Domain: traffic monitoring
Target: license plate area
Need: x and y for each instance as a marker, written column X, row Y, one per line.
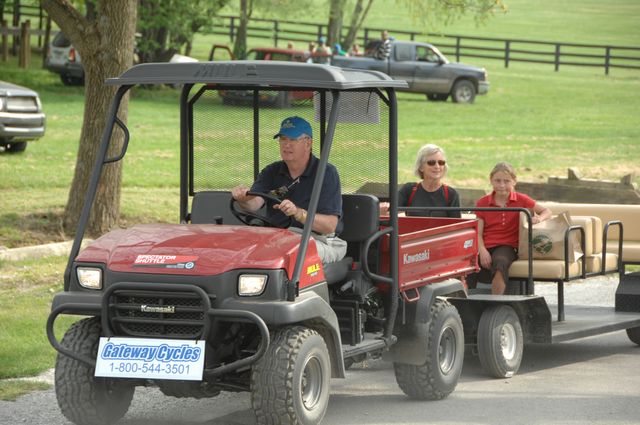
column 149, row 358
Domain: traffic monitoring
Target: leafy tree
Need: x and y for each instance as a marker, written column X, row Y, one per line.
column 166, row 26
column 429, row 13
column 105, row 40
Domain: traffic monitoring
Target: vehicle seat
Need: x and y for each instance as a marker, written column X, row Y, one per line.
column 208, row 207
column 360, row 216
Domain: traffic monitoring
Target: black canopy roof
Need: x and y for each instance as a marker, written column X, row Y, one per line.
column 258, row 73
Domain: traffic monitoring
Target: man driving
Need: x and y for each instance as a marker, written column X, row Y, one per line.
column 291, row 180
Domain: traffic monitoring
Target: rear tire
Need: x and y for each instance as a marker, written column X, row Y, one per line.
column 16, row 147
column 463, row 92
column 83, row 398
column 290, row 384
column 500, row 341
column 438, row 376
column 634, row 335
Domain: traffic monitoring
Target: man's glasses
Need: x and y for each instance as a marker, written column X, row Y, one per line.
column 440, row 162
column 282, row 191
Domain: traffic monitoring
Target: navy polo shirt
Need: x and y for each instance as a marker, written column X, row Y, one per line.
column 276, row 175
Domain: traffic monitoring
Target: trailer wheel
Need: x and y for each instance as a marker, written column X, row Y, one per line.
column 438, row 376
column 83, row 398
column 634, row 335
column 291, row 382
column 500, row 341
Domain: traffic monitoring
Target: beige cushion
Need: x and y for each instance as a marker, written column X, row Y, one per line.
column 594, row 263
column 628, row 214
column 586, row 223
column 630, row 249
column 544, row 269
column 596, row 231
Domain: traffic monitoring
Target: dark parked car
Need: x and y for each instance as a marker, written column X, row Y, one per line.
column 63, row 59
column 21, row 117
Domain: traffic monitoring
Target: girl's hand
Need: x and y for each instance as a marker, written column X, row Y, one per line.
column 485, row 258
column 384, row 208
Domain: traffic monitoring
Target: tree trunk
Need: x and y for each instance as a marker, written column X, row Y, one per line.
column 334, row 28
column 240, row 45
column 106, row 47
column 357, row 19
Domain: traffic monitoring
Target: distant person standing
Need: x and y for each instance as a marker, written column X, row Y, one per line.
column 322, row 53
column 355, row 50
column 384, row 47
column 312, row 49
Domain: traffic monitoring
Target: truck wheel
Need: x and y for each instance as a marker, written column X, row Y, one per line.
column 290, row 384
column 500, row 341
column 83, row 398
column 282, row 100
column 438, row 376
column 435, row 97
column 16, row 147
column 634, row 335
column 463, row 92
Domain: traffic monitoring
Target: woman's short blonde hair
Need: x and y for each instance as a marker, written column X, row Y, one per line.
column 424, row 152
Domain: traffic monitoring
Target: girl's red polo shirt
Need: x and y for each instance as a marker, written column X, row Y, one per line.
column 502, row 228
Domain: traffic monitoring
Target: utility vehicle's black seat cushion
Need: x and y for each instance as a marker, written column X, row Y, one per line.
column 208, row 205
column 360, row 214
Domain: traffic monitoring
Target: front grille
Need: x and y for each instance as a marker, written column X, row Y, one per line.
column 164, row 314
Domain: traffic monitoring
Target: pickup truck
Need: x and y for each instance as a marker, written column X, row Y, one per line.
column 21, row 117
column 425, row 69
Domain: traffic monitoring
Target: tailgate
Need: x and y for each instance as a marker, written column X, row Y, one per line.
column 433, row 249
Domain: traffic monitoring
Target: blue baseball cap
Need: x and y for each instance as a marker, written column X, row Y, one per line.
column 294, row 127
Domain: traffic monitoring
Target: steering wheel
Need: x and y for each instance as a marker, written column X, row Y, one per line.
column 249, row 218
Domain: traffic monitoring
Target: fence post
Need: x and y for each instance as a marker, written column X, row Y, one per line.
column 457, row 49
column 557, row 60
column 607, row 58
column 40, row 18
column 319, row 32
column 507, row 51
column 47, row 39
column 25, row 45
column 366, row 37
column 275, row 33
column 413, row 36
column 232, row 28
column 5, row 41
column 16, row 24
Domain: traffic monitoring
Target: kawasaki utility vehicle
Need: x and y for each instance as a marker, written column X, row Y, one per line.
column 224, row 301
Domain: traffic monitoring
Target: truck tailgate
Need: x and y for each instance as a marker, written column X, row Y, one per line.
column 432, row 249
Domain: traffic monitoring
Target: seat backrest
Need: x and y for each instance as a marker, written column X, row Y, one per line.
column 208, row 205
column 360, row 215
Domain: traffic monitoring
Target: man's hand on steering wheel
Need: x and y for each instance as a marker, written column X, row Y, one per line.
column 248, row 217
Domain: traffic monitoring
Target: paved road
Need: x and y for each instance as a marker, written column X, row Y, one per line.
column 590, row 381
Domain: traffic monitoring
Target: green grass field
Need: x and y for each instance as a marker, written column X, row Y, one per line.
column 540, row 120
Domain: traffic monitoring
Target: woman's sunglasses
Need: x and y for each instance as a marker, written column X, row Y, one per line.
column 440, row 162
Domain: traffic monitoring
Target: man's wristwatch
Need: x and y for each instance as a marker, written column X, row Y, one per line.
column 303, row 216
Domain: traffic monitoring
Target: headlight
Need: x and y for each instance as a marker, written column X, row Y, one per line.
column 250, row 285
column 89, row 277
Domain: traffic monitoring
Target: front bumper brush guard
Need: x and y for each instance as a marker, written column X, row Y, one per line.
column 242, row 315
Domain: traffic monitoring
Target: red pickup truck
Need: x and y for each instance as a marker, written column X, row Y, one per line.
column 245, row 97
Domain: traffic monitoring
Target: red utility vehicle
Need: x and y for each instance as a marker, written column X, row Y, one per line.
column 224, row 301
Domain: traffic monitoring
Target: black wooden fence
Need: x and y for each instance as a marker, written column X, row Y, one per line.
column 504, row 50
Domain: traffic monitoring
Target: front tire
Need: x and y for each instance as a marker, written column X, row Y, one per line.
column 290, row 384
column 83, row 398
column 438, row 376
column 464, row 91
column 500, row 341
column 634, row 335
